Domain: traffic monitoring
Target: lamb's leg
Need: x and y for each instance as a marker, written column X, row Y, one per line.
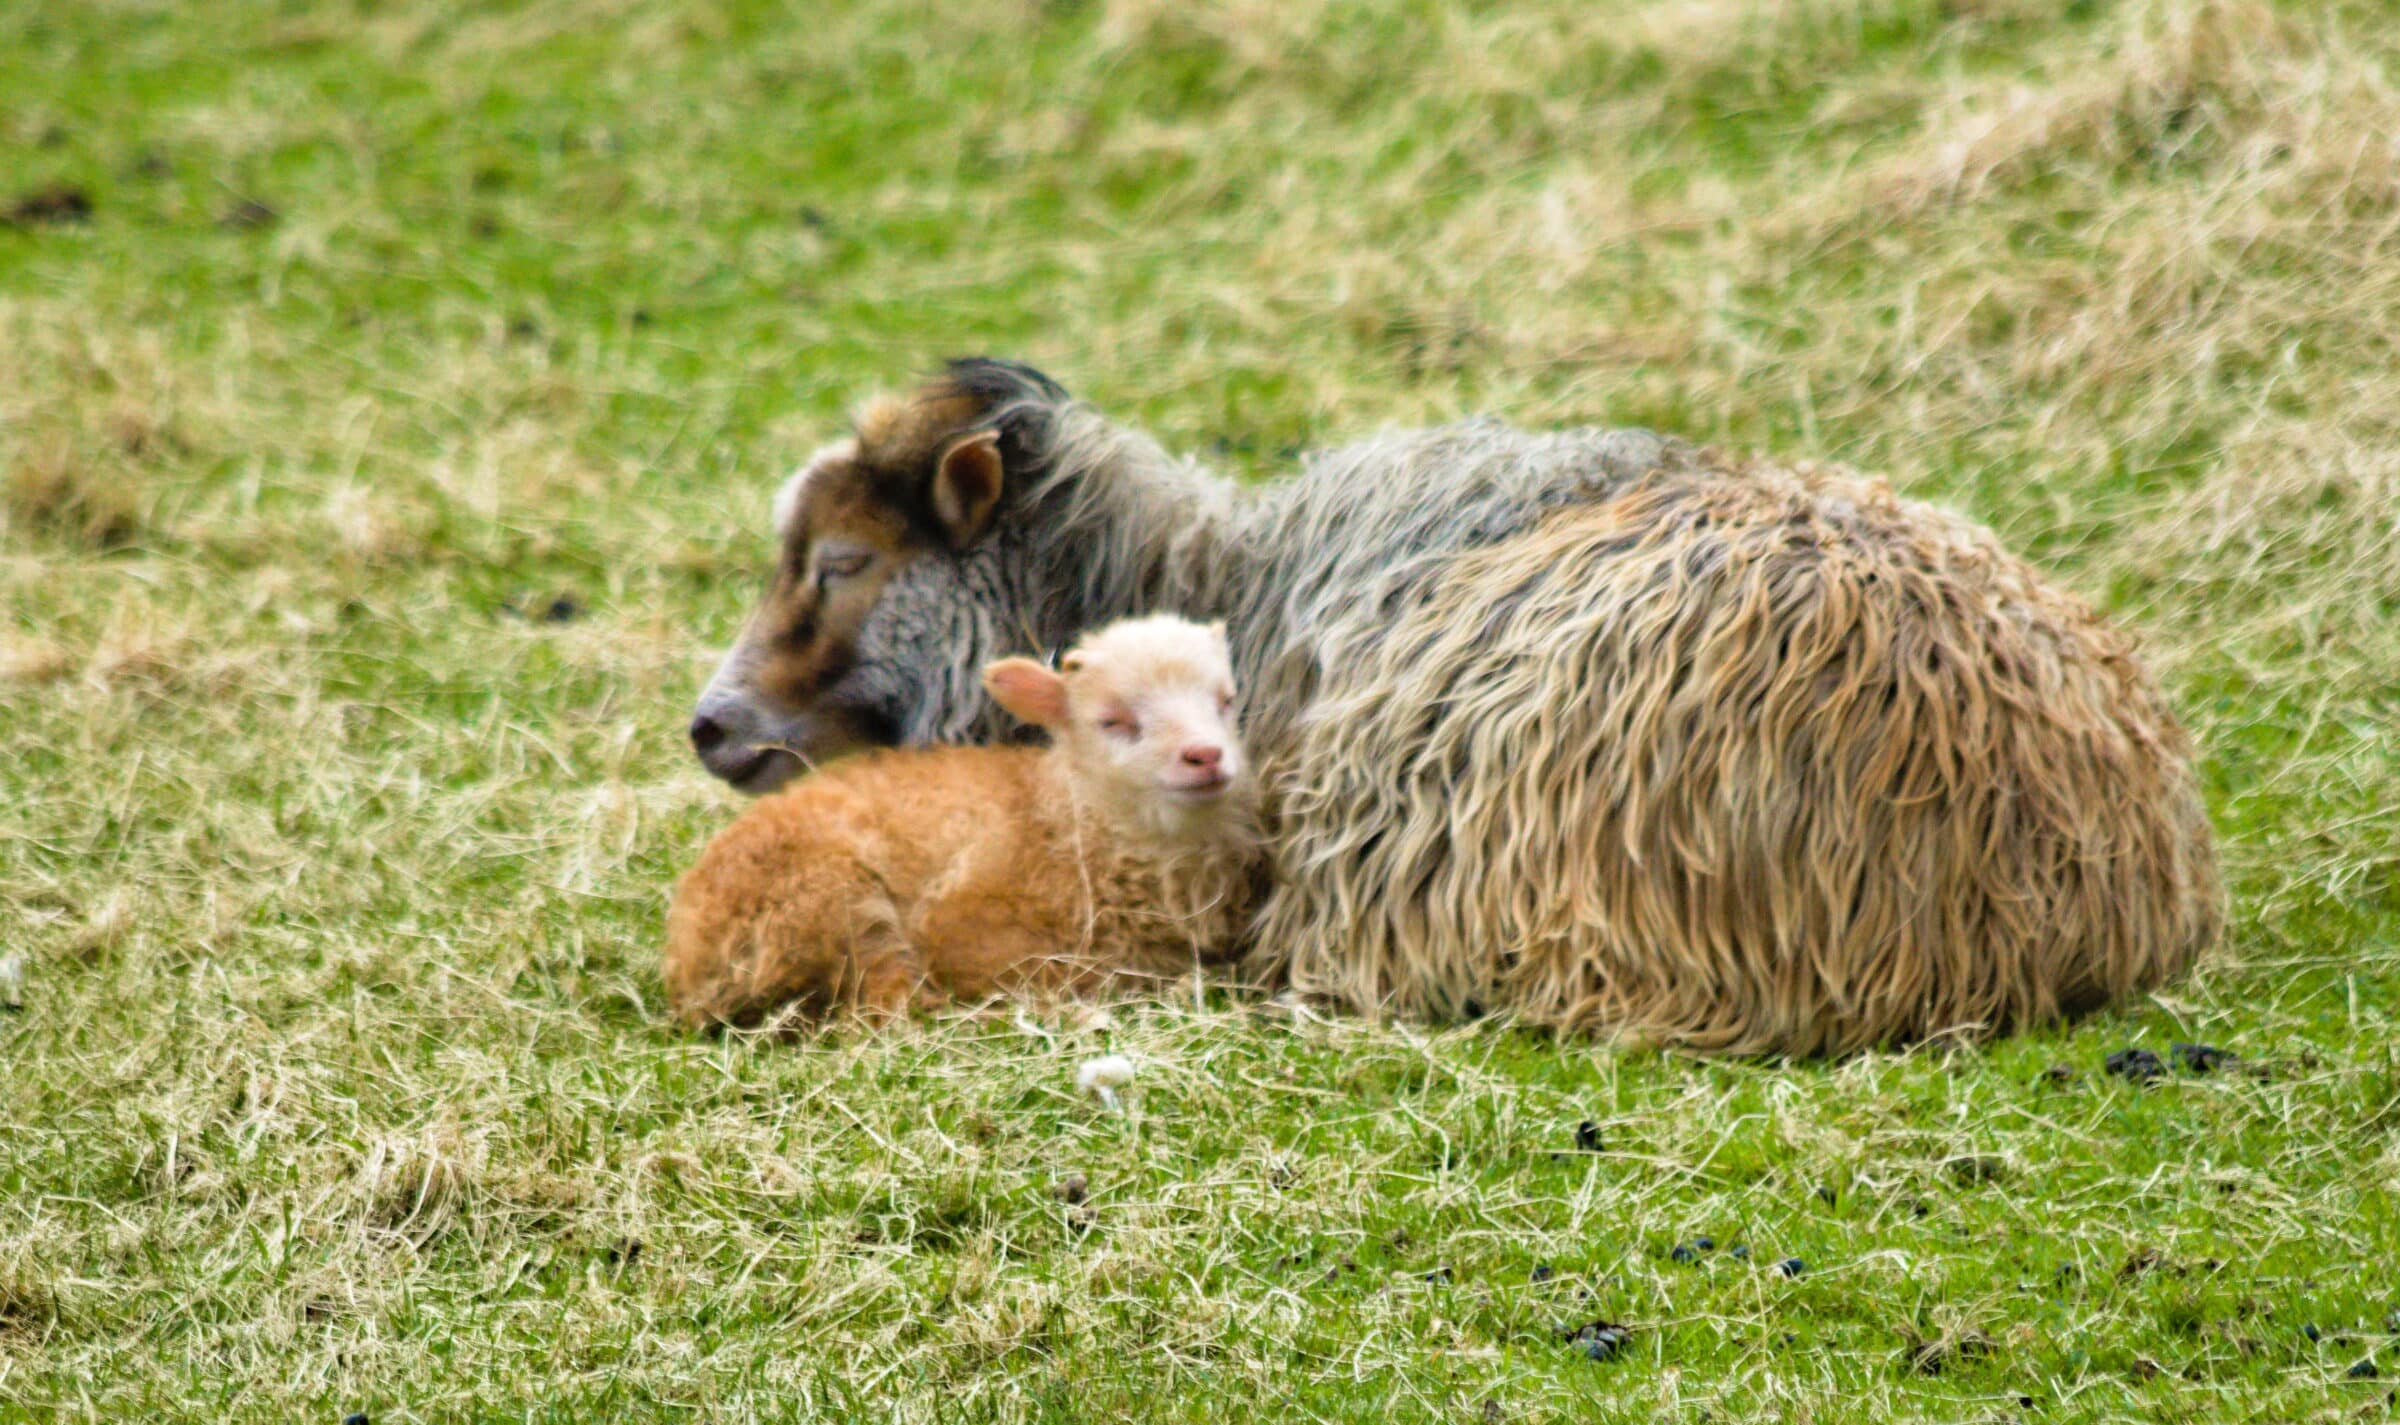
column 757, row 931
column 884, row 977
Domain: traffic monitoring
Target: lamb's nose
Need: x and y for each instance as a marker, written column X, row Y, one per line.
column 707, row 733
column 1203, row 755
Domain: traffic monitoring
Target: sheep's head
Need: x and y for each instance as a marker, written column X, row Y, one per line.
column 889, row 589
column 1142, row 714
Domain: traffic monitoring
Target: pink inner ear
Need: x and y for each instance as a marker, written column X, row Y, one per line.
column 1028, row 690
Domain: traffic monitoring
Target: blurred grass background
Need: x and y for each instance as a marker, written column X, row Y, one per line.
column 389, row 398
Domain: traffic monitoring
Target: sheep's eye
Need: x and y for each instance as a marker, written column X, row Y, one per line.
column 842, row 564
column 1120, row 725
column 1225, row 702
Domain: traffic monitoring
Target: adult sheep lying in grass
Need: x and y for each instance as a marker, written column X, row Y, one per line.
column 1591, row 727
column 1123, row 855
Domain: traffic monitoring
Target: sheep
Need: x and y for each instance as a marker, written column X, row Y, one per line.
column 1123, row 854
column 1592, row 728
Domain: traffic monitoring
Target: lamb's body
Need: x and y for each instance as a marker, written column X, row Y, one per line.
column 906, row 879
column 1603, row 730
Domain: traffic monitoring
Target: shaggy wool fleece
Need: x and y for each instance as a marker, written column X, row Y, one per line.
column 1755, row 761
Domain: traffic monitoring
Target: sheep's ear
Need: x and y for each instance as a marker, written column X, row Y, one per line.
column 966, row 486
column 1029, row 690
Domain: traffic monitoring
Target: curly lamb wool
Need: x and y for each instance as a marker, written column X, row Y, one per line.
column 1593, row 728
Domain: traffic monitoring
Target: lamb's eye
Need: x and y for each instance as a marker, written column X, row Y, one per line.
column 1120, row 725
column 842, row 564
column 1225, row 702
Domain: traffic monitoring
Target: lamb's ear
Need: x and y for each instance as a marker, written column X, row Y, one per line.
column 966, row 486
column 1029, row 690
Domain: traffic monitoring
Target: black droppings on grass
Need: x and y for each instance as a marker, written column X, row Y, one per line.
column 1441, row 1276
column 1741, row 1252
column 355, row 1417
column 627, row 1252
column 538, row 608
column 1542, row 1273
column 1071, row 1189
column 1791, row 1266
column 2138, row 1065
column 1705, row 1244
column 2203, row 1058
column 1684, row 1252
column 2060, row 1075
column 58, row 204
column 2364, row 1370
column 1598, row 1340
column 1587, row 1137
column 1828, row 1196
column 2311, row 1332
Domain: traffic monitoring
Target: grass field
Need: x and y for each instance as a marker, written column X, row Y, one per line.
column 389, row 398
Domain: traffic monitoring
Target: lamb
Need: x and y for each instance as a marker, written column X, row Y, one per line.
column 1123, row 854
column 1593, row 728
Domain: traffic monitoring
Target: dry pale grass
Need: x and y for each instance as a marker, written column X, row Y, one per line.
column 339, row 842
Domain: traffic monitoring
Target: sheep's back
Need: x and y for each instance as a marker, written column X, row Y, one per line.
column 1756, row 760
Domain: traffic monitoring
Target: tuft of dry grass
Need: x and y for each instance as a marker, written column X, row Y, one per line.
column 52, row 491
column 341, row 1080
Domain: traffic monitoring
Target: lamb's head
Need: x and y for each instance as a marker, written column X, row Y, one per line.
column 893, row 584
column 1141, row 713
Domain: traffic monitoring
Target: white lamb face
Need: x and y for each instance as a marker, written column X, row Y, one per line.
column 1144, row 709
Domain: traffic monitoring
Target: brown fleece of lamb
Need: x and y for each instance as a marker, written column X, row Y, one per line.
column 906, row 879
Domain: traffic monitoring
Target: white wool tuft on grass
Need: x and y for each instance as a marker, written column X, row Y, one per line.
column 1104, row 1076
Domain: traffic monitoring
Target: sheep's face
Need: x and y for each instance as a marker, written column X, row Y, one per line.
column 886, row 598
column 1143, row 714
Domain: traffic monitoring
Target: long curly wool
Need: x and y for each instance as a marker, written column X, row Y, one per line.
column 1756, row 762
column 1601, row 730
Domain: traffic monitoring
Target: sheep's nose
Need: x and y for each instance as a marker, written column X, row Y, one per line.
column 707, row 734
column 1203, row 755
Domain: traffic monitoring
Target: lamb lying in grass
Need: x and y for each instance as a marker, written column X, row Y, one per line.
column 1125, row 852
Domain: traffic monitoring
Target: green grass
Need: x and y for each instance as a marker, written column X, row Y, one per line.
column 341, row 1080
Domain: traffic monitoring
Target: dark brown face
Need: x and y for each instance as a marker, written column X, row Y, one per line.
column 877, row 558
